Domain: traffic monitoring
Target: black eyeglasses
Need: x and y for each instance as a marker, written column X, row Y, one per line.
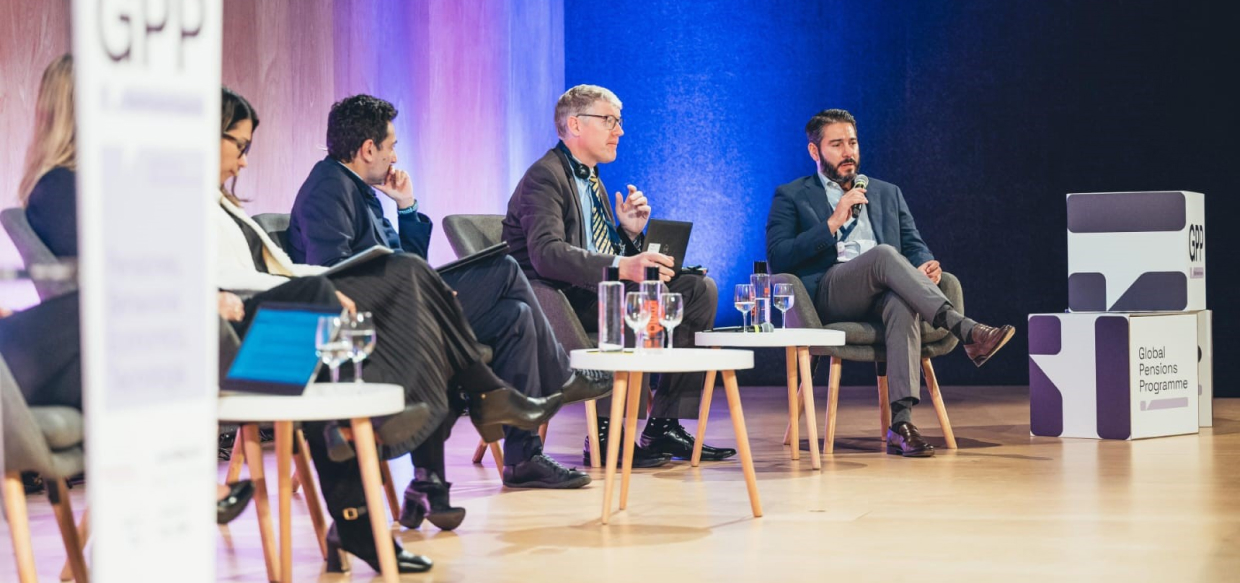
column 609, row 121
column 242, row 147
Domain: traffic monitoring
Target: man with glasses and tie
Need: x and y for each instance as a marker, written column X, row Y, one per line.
column 564, row 228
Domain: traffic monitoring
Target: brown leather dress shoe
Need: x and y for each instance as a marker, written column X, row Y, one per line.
column 905, row 440
column 987, row 340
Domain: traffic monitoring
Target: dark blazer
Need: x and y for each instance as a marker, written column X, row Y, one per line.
column 52, row 211
column 798, row 240
column 331, row 219
column 545, row 231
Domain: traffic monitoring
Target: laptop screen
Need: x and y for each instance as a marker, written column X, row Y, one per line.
column 278, row 354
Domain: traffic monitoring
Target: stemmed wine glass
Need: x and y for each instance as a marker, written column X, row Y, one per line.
column 744, row 302
column 784, row 299
column 671, row 312
column 332, row 348
column 359, row 331
column 636, row 315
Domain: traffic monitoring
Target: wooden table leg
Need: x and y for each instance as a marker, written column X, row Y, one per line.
column 284, row 470
column 311, row 493
column 618, row 395
column 801, row 413
column 389, row 489
column 807, row 395
column 742, row 440
column 833, row 401
column 596, row 460
column 262, row 506
column 630, row 435
column 708, row 391
column 372, row 484
column 793, row 436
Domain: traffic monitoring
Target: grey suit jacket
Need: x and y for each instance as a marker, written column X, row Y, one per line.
column 544, row 226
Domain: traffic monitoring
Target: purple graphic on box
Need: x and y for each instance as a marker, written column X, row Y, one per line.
column 1111, row 381
column 1045, row 335
column 1174, row 403
column 1154, row 290
column 1045, row 404
column 1128, row 212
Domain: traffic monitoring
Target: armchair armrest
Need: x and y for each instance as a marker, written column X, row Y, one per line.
column 802, row 314
column 564, row 322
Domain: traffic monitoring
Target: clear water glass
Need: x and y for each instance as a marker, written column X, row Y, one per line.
column 744, row 302
column 671, row 312
column 783, row 300
column 359, row 331
column 636, row 314
column 333, row 350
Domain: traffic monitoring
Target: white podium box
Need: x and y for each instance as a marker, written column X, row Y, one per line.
column 1205, row 368
column 1113, row 376
column 1136, row 252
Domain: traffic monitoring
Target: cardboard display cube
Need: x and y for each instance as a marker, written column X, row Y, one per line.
column 1113, row 376
column 1136, row 251
column 1205, row 367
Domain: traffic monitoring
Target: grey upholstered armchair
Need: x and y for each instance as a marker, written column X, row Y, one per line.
column 46, row 440
column 863, row 342
column 35, row 253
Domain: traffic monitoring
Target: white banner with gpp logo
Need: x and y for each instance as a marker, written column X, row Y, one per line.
column 148, row 117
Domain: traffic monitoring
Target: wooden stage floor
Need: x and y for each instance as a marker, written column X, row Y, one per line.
column 1004, row 507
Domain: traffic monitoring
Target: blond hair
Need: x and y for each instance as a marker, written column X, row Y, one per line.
column 577, row 100
column 53, row 143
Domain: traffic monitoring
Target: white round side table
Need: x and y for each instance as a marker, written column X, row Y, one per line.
column 357, row 402
column 629, row 367
column 796, row 343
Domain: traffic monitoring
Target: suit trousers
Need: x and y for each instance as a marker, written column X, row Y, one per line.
column 882, row 285
column 500, row 306
column 678, row 395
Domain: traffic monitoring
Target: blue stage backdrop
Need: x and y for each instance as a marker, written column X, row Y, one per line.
column 985, row 113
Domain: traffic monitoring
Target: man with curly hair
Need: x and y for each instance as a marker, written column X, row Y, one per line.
column 337, row 214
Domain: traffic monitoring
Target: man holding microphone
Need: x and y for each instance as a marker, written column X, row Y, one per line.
column 854, row 244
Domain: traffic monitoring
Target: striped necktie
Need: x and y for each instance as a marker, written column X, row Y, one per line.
column 601, row 231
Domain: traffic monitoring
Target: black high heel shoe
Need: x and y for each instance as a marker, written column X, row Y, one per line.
column 427, row 498
column 239, row 494
column 359, row 540
column 491, row 410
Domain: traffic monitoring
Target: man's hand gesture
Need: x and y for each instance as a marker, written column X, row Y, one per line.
column 633, row 212
column 932, row 270
column 398, row 187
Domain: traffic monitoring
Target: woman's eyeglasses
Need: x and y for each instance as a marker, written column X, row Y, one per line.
column 243, row 148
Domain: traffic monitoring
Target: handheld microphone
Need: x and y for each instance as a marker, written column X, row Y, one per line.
column 859, row 182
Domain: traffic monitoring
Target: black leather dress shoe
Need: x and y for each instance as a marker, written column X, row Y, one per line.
column 676, row 442
column 985, row 341
column 904, row 439
column 582, row 388
column 239, row 494
column 541, row 471
column 491, row 410
column 642, row 457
